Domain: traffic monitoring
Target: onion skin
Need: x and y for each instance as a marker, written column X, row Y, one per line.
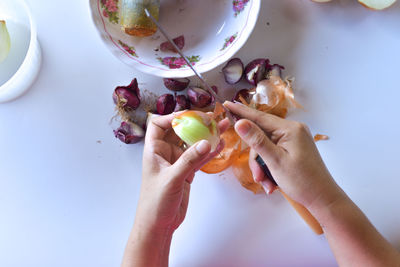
column 199, row 97
column 241, row 169
column 127, row 97
column 319, row 137
column 168, row 47
column 129, row 133
column 166, row 104
column 176, row 85
column 275, row 70
column 245, row 93
column 226, row 157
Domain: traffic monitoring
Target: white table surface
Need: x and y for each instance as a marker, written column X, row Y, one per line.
column 67, row 200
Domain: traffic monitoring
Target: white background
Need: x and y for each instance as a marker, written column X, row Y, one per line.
column 67, row 200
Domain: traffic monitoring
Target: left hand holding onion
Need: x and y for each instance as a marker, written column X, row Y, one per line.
column 168, row 171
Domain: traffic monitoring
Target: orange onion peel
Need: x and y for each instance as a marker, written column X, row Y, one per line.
column 243, row 100
column 227, row 156
column 274, row 96
column 241, row 169
column 320, row 137
column 305, row 214
column 219, row 111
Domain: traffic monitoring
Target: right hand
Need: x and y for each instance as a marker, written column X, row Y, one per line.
column 288, row 149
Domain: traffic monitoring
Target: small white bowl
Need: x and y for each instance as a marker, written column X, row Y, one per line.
column 22, row 65
column 214, row 31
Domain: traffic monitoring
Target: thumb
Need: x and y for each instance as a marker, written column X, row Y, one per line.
column 191, row 160
column 257, row 140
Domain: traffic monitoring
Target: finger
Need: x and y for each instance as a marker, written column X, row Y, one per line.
column 210, row 156
column 256, row 170
column 258, row 174
column 267, row 122
column 171, row 138
column 257, row 140
column 218, row 150
column 223, row 125
column 189, row 180
column 191, row 160
column 159, row 126
column 268, row 186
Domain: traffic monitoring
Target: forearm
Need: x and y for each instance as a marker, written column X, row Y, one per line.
column 353, row 239
column 146, row 248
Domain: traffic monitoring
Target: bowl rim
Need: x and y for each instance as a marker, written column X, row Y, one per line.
column 160, row 71
column 27, row 72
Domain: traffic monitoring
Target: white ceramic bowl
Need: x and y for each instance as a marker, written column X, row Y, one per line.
column 22, row 65
column 214, row 31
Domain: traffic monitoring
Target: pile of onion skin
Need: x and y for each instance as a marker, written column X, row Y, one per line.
column 268, row 92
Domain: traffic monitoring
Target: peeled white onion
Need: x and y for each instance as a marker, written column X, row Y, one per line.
column 5, row 43
column 193, row 126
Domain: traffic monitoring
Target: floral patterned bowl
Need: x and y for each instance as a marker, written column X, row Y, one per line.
column 214, row 31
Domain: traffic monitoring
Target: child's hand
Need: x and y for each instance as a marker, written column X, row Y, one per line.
column 289, row 151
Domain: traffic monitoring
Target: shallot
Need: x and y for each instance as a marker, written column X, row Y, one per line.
column 199, row 97
column 255, row 70
column 127, row 97
column 233, row 71
column 176, row 84
column 165, row 104
column 129, row 132
column 182, row 103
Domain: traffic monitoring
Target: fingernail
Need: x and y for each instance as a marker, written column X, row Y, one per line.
column 243, row 128
column 238, row 102
column 203, row 147
column 265, row 186
column 227, row 103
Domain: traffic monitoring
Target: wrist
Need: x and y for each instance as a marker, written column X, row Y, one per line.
column 327, row 201
column 147, row 246
column 148, row 231
column 326, row 212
